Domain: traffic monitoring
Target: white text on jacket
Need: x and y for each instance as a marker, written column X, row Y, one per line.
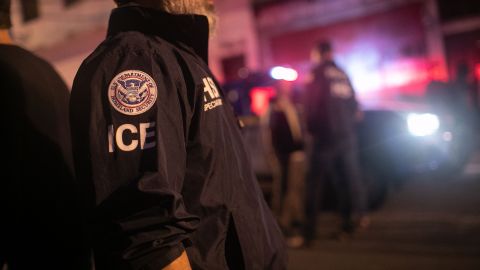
column 143, row 137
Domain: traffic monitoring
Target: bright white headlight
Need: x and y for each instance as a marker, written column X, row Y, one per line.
column 284, row 73
column 422, row 124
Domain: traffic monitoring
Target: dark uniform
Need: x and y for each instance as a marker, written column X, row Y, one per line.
column 161, row 154
column 330, row 111
column 40, row 218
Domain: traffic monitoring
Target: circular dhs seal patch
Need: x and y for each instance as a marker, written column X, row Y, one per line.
column 132, row 92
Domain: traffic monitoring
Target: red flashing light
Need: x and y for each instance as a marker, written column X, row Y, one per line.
column 260, row 97
column 405, row 72
column 477, row 71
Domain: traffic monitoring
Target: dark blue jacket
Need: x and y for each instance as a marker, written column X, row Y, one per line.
column 161, row 155
column 40, row 225
column 331, row 105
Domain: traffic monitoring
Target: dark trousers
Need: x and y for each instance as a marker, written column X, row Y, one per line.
column 284, row 160
column 340, row 163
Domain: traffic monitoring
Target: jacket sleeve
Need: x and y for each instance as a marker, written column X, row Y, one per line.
column 130, row 120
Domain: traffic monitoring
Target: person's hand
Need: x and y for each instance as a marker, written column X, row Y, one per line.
column 180, row 263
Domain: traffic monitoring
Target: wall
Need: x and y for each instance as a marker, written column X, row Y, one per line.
column 63, row 36
column 236, row 35
column 389, row 46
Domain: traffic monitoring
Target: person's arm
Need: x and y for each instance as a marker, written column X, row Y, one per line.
column 358, row 113
column 133, row 158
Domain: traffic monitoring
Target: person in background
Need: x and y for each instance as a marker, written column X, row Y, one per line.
column 284, row 136
column 166, row 175
column 461, row 104
column 463, row 95
column 40, row 225
column 331, row 112
column 460, row 93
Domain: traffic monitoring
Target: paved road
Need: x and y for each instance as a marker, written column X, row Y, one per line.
column 431, row 223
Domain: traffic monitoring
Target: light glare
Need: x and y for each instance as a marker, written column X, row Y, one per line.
column 422, row 124
column 283, row 73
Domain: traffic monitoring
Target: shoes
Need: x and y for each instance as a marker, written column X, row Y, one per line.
column 342, row 236
column 349, row 229
column 296, row 241
column 363, row 223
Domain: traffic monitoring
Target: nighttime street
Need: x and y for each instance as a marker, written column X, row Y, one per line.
column 240, row 134
column 430, row 223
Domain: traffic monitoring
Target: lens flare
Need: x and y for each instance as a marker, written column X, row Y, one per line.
column 422, row 124
column 284, row 73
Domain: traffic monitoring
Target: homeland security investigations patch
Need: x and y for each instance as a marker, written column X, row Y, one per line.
column 132, row 92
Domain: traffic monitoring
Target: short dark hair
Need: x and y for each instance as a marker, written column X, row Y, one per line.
column 324, row 46
column 5, row 22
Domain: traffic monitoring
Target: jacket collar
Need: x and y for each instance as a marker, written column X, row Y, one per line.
column 184, row 30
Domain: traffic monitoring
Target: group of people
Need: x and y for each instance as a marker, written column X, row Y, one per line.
column 330, row 113
column 143, row 166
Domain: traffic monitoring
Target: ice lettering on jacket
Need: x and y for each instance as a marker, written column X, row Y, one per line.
column 211, row 96
column 341, row 89
column 132, row 92
column 142, row 137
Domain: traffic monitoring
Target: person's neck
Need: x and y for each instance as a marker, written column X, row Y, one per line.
column 144, row 3
column 5, row 37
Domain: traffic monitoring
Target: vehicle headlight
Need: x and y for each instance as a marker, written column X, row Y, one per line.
column 423, row 124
